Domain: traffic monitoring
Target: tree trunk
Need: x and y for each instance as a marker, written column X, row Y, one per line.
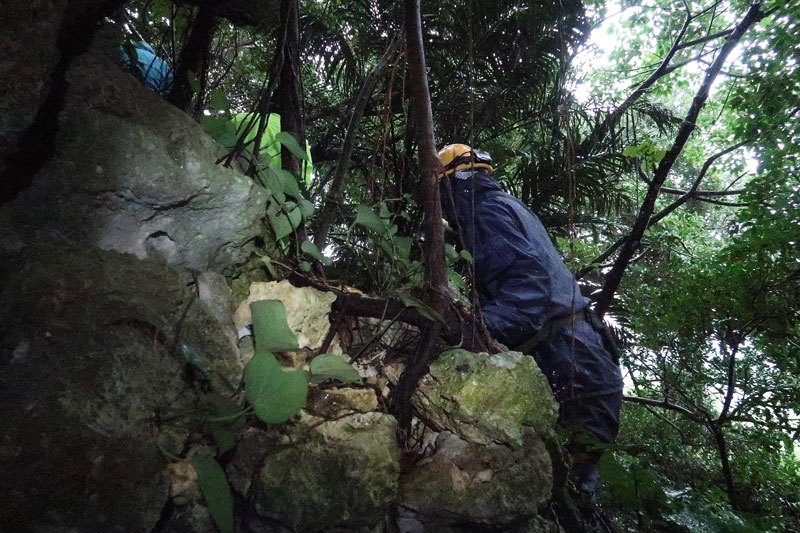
column 430, row 167
column 332, row 198
column 289, row 87
column 194, row 57
column 727, row 473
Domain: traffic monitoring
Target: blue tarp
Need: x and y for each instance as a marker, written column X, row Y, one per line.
column 155, row 71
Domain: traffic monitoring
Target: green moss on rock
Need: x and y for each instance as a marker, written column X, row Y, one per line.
column 487, row 398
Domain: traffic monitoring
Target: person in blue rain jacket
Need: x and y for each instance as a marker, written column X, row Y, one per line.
column 155, row 72
column 531, row 302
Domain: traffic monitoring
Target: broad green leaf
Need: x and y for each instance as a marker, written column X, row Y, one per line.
column 291, row 144
column 276, row 395
column 366, row 217
column 283, row 224
column 270, row 329
column 306, row 208
column 225, row 419
column 466, row 256
column 219, row 100
column 457, row 280
column 221, row 130
column 290, row 185
column 450, row 252
column 423, row 308
column 403, row 246
column 332, row 366
column 311, row 249
column 305, row 266
column 216, row 491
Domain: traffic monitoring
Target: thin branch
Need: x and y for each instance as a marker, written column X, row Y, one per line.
column 632, row 243
column 705, row 39
column 664, row 404
column 333, row 197
column 692, row 193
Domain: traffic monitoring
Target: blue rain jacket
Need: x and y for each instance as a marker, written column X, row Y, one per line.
column 522, row 282
column 155, row 71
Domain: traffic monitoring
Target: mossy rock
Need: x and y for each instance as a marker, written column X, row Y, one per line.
column 487, row 398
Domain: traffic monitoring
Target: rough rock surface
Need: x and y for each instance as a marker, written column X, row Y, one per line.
column 307, row 310
column 493, row 484
column 489, row 465
column 339, row 473
column 133, row 174
column 487, row 398
column 28, row 41
column 92, row 393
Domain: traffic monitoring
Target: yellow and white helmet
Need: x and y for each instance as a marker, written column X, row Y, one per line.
column 455, row 157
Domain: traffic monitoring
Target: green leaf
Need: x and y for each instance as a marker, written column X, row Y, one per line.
column 450, row 252
column 306, row 208
column 332, row 366
column 221, row 130
column 366, row 217
column 403, row 246
column 421, row 307
column 194, row 83
column 466, row 256
column 457, row 280
column 305, row 266
column 311, row 249
column 216, row 491
column 270, row 328
column 219, row 100
column 225, row 419
column 276, row 395
column 291, row 144
column 282, row 180
column 283, row 224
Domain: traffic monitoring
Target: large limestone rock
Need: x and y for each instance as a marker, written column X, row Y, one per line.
column 133, row 174
column 487, row 398
column 464, row 482
column 489, row 464
column 338, row 474
column 94, row 398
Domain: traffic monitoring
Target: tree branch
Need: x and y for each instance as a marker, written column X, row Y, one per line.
column 435, row 270
column 632, row 242
column 332, row 198
column 664, row 404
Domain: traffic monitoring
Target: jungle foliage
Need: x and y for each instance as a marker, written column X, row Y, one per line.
column 706, row 305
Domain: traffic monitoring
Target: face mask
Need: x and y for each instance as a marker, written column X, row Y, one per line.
column 464, row 174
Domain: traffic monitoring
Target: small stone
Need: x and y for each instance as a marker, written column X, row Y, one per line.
column 182, row 477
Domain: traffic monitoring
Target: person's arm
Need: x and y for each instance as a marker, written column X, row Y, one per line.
column 513, row 283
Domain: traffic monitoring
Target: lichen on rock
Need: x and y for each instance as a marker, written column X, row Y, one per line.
column 487, row 398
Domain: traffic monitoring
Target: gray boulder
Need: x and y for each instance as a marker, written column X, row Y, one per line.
column 338, row 474
column 132, row 174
